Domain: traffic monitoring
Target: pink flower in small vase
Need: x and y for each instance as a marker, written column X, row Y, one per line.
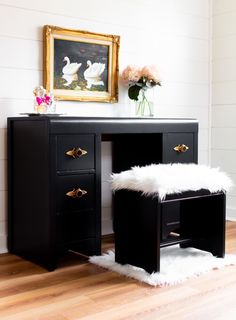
column 39, row 100
column 151, row 74
column 131, row 73
column 48, row 100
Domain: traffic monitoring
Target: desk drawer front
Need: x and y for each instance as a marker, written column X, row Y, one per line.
column 75, row 192
column 76, row 226
column 178, row 147
column 75, row 152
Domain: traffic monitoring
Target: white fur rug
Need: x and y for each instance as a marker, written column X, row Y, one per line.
column 177, row 265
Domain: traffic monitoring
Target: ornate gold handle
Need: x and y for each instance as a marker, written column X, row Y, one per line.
column 76, row 193
column 76, row 152
column 181, row 148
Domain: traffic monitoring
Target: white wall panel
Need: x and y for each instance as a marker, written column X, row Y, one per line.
column 178, row 111
column 106, row 194
column 230, row 212
column 203, row 139
column 224, row 116
column 106, row 160
column 231, row 200
column 233, row 189
column 3, row 204
column 191, row 7
column 24, row 80
column 3, row 178
column 106, row 187
column 203, row 157
column 223, row 6
column 224, row 92
column 224, row 47
column 107, row 224
column 224, row 70
column 3, row 143
column 186, row 94
column 224, row 138
column 20, row 54
column 180, row 24
column 3, row 242
column 122, row 10
column 12, row 107
column 186, row 71
column 224, row 24
column 182, row 47
column 224, row 159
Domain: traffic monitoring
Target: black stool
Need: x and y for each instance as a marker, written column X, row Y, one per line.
column 143, row 225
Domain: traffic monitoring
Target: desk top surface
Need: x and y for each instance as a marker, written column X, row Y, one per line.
column 62, row 118
column 103, row 125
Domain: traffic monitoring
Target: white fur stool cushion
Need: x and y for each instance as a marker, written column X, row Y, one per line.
column 162, row 179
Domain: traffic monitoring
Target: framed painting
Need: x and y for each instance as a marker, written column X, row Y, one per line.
column 81, row 65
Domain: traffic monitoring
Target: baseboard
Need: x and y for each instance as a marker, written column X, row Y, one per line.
column 230, row 218
column 108, row 237
column 107, row 227
column 231, row 214
column 3, row 244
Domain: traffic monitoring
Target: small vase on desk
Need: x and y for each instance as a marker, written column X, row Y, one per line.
column 144, row 106
column 40, row 108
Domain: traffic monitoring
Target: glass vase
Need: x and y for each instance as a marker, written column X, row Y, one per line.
column 144, row 106
column 45, row 108
column 42, row 108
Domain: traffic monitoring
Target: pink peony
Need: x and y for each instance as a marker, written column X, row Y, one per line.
column 150, row 72
column 131, row 73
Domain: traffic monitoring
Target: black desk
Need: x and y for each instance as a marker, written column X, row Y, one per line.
column 54, row 176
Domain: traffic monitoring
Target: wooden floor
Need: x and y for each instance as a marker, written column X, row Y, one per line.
column 79, row 290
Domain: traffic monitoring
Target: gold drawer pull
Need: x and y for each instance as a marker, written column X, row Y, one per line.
column 181, row 148
column 76, row 193
column 76, row 152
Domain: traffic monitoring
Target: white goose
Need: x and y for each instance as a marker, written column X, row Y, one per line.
column 93, row 74
column 70, row 71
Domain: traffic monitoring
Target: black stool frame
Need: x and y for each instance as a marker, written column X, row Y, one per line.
column 142, row 223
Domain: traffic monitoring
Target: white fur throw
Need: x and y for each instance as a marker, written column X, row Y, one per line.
column 163, row 179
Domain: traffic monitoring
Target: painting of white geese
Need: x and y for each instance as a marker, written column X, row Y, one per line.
column 70, row 71
column 93, row 74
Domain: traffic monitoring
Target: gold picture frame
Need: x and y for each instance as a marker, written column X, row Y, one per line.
column 81, row 65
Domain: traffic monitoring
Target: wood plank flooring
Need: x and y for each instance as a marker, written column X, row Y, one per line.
column 79, row 290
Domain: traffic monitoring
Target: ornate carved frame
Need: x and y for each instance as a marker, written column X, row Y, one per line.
column 84, row 38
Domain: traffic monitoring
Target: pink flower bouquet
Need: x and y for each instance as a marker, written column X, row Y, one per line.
column 140, row 78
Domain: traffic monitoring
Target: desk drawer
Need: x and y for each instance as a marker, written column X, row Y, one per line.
column 75, row 152
column 76, row 226
column 178, row 147
column 75, row 192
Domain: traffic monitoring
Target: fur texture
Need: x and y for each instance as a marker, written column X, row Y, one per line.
column 177, row 265
column 163, row 179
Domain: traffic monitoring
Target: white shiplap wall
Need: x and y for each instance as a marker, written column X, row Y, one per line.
column 173, row 34
column 224, row 93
